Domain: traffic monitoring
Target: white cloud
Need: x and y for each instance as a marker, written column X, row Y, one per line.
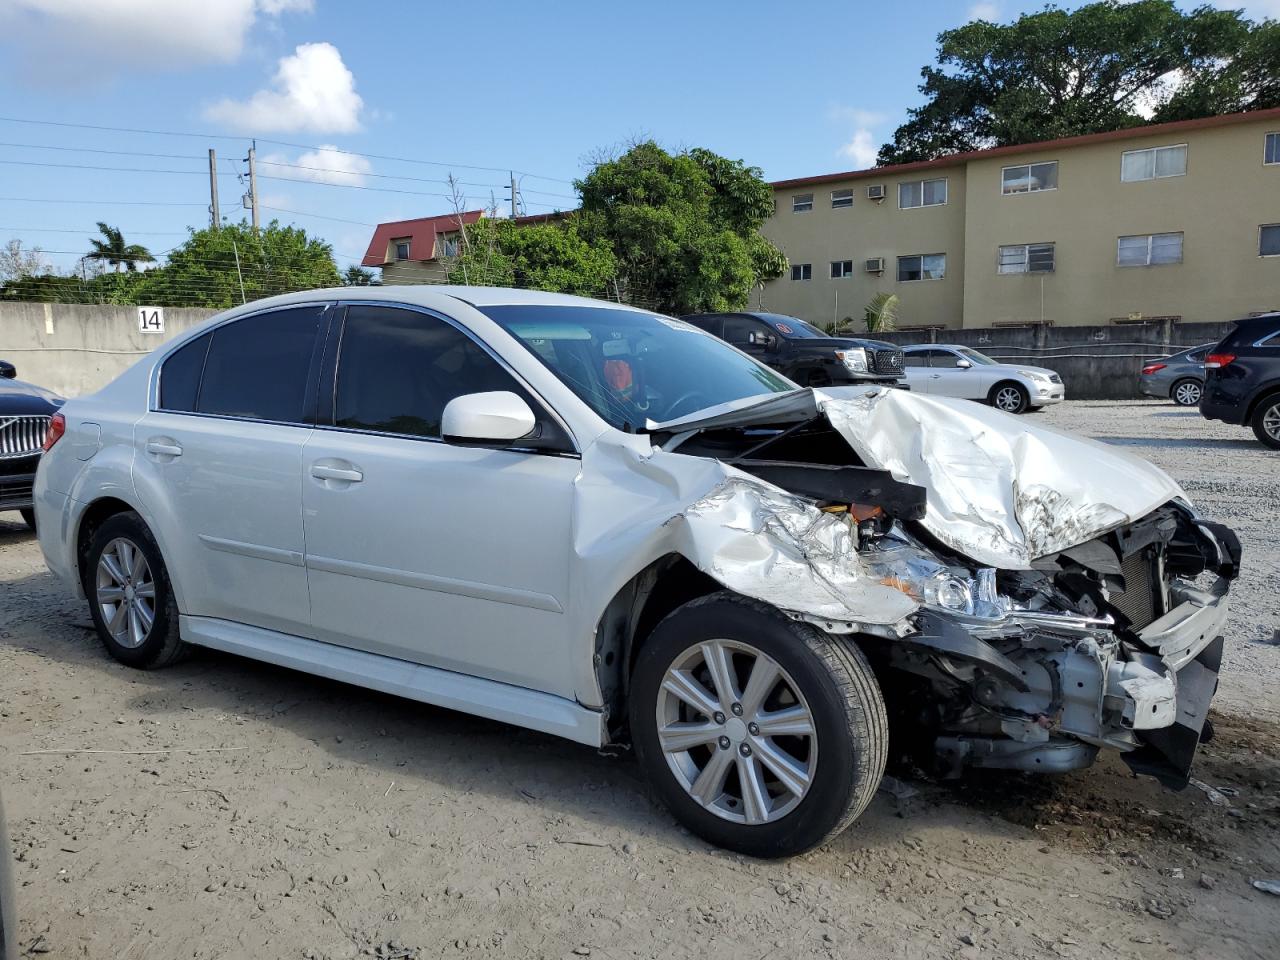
column 70, row 41
column 1149, row 100
column 985, row 11
column 862, row 146
column 312, row 90
column 1253, row 9
column 325, row 164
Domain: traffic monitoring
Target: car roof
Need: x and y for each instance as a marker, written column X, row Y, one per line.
column 430, row 295
column 932, row 346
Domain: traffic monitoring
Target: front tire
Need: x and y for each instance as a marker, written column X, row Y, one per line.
column 130, row 596
column 29, row 517
column 761, row 734
column 1010, row 397
column 1266, row 422
column 1186, row 393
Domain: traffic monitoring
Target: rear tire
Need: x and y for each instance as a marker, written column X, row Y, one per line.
column 1186, row 393
column 1266, row 422
column 720, row 772
column 130, row 596
column 1010, row 397
column 29, row 517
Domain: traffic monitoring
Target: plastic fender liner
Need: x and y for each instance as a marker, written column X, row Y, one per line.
column 939, row 634
column 1167, row 753
column 1229, row 544
column 841, row 484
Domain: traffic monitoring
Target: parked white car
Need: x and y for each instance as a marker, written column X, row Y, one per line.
column 951, row 370
column 611, row 526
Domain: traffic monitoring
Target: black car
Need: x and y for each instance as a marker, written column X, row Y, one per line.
column 803, row 353
column 1242, row 378
column 25, row 412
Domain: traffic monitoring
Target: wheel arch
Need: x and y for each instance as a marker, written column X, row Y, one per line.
column 1009, row 382
column 98, row 512
column 630, row 616
column 1269, row 392
column 1185, row 378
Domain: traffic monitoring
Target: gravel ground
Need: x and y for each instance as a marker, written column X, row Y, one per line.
column 223, row 808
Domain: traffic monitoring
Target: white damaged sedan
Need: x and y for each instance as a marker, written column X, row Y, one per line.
column 608, row 525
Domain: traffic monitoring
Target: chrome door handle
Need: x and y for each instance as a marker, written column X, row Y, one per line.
column 322, row 472
column 164, row 448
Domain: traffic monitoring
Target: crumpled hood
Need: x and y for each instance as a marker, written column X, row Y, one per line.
column 1001, row 490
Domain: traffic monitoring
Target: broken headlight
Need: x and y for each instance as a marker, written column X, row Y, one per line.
column 900, row 564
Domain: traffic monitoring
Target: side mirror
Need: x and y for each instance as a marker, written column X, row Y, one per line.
column 8, row 370
column 496, row 417
column 963, row 364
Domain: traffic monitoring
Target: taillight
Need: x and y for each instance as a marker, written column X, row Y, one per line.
column 1216, row 361
column 57, row 427
column 1152, row 368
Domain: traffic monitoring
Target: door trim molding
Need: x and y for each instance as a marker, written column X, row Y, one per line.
column 255, row 550
column 436, row 584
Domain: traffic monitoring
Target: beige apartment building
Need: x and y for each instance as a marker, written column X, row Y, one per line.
column 1176, row 220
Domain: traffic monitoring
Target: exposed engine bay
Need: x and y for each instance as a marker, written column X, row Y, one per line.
column 1113, row 641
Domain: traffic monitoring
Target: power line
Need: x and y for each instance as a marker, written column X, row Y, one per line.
column 318, row 216
column 279, row 143
column 393, row 176
column 81, row 166
column 119, row 153
column 356, row 186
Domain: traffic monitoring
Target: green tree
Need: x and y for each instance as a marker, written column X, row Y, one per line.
column 547, row 256
column 114, row 251
column 1103, row 66
column 233, row 264
column 357, row 276
column 683, row 227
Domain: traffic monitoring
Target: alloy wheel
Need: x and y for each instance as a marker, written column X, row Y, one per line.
column 1271, row 422
column 736, row 732
column 1187, row 394
column 1009, row 399
column 126, row 593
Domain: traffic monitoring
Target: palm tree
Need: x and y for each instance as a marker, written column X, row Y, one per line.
column 881, row 313
column 116, row 252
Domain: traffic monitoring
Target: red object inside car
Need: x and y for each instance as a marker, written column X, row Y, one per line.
column 617, row 373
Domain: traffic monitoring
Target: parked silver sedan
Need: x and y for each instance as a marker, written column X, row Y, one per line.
column 1179, row 377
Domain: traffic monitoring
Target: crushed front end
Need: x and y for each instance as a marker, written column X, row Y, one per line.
column 1115, row 642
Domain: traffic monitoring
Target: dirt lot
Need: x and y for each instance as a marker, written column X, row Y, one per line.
column 227, row 809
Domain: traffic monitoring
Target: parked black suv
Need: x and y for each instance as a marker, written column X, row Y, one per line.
column 802, row 352
column 25, row 411
column 1242, row 378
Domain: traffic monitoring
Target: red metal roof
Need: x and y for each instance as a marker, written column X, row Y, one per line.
column 956, row 159
column 421, row 233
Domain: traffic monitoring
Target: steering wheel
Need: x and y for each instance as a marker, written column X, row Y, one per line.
column 682, row 399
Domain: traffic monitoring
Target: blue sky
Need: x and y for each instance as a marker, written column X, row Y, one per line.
column 531, row 87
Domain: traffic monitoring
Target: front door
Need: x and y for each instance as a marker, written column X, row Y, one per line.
column 949, row 380
column 218, row 467
column 452, row 556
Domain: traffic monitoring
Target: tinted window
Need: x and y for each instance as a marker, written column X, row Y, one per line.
column 738, row 330
column 915, row 358
column 397, row 369
column 180, row 375
column 258, row 367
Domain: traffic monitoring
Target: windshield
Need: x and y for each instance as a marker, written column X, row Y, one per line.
column 970, row 354
column 791, row 326
column 630, row 366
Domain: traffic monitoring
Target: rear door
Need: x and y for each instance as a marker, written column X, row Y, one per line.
column 218, row 467
column 448, row 555
column 916, row 370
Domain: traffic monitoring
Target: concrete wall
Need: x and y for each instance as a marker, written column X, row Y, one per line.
column 1096, row 362
column 76, row 348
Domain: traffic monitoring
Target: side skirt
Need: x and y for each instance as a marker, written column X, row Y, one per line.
column 414, row 681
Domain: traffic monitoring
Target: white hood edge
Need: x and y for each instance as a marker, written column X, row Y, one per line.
column 1001, row 491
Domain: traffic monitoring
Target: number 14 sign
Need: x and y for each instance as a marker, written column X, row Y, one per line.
column 151, row 319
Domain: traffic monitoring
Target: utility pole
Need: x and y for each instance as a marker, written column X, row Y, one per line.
column 253, row 185
column 515, row 198
column 214, row 217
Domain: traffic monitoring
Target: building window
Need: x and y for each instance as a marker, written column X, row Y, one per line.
column 449, row 245
column 1026, row 258
column 802, row 271
column 1269, row 240
column 928, row 266
column 401, row 248
column 1271, row 152
column 1153, row 164
column 802, row 203
column 1029, row 178
column 841, row 269
column 841, row 198
column 922, row 193
column 1149, row 250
